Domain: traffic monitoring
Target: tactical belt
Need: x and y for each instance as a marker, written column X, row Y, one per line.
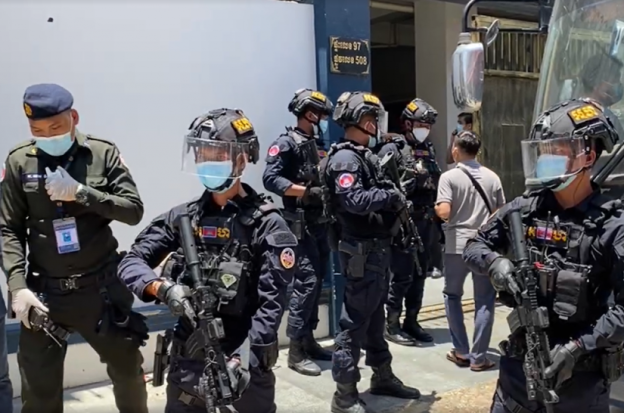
column 369, row 245
column 78, row 281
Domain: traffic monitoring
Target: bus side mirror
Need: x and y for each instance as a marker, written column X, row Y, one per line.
column 468, row 69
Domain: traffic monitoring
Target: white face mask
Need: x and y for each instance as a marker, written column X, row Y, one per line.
column 420, row 133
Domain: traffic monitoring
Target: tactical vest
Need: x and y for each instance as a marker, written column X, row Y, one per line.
column 308, row 158
column 425, row 168
column 369, row 178
column 561, row 251
column 228, row 256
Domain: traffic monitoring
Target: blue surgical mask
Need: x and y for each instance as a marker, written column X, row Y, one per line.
column 55, row 145
column 323, row 125
column 551, row 166
column 216, row 176
column 372, row 142
column 460, row 128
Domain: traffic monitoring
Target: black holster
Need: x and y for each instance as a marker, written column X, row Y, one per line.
column 359, row 251
column 124, row 323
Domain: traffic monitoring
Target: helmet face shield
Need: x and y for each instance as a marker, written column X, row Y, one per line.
column 552, row 161
column 382, row 122
column 217, row 164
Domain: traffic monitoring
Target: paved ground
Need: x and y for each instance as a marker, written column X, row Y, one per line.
column 423, row 367
column 445, row 388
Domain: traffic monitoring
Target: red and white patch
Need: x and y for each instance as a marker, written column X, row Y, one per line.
column 3, row 172
column 122, row 160
column 274, row 150
column 287, row 258
column 346, row 180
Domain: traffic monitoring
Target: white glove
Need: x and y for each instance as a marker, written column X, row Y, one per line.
column 23, row 301
column 60, row 185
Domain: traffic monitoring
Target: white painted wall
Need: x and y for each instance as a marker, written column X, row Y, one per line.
column 437, row 27
column 141, row 71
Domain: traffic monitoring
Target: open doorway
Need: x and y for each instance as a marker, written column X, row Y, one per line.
column 393, row 56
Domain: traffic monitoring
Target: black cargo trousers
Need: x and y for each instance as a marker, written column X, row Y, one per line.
column 98, row 307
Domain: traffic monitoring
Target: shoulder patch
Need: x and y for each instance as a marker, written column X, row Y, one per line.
column 346, row 180
column 273, row 150
column 287, row 258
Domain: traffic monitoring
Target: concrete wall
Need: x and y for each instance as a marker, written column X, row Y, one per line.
column 438, row 25
column 140, row 72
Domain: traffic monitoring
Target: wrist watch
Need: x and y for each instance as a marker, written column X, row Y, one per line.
column 81, row 195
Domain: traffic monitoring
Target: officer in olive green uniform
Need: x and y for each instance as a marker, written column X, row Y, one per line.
column 60, row 191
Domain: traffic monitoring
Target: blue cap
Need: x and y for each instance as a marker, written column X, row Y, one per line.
column 46, row 100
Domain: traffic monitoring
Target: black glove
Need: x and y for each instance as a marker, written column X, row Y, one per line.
column 239, row 377
column 313, row 196
column 563, row 360
column 177, row 297
column 409, row 186
column 397, row 200
column 502, row 277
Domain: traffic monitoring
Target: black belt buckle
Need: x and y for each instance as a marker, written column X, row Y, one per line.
column 68, row 284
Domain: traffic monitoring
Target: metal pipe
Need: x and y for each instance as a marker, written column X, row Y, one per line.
column 391, row 7
column 471, row 3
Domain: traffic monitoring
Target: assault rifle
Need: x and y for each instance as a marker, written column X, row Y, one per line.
column 214, row 385
column 531, row 318
column 409, row 237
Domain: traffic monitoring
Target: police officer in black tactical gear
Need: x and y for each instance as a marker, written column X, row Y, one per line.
column 409, row 281
column 292, row 172
column 403, row 263
column 247, row 253
column 575, row 242
column 364, row 214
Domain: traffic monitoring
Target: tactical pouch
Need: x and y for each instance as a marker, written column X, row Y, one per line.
column 232, row 283
column 570, row 302
column 612, row 363
column 161, row 357
column 358, row 253
column 296, row 222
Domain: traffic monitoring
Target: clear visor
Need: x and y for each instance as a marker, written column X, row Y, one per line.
column 382, row 122
column 214, row 159
column 545, row 161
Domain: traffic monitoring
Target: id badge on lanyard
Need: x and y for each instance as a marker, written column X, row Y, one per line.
column 65, row 229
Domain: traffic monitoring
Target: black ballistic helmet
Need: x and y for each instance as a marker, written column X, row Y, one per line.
column 225, row 125
column 351, row 106
column 419, row 111
column 308, row 99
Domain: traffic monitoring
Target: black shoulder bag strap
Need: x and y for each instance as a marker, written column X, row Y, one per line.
column 477, row 187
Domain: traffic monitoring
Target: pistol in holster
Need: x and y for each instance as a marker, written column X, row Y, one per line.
column 296, row 222
column 40, row 321
column 358, row 252
column 161, row 357
column 612, row 363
